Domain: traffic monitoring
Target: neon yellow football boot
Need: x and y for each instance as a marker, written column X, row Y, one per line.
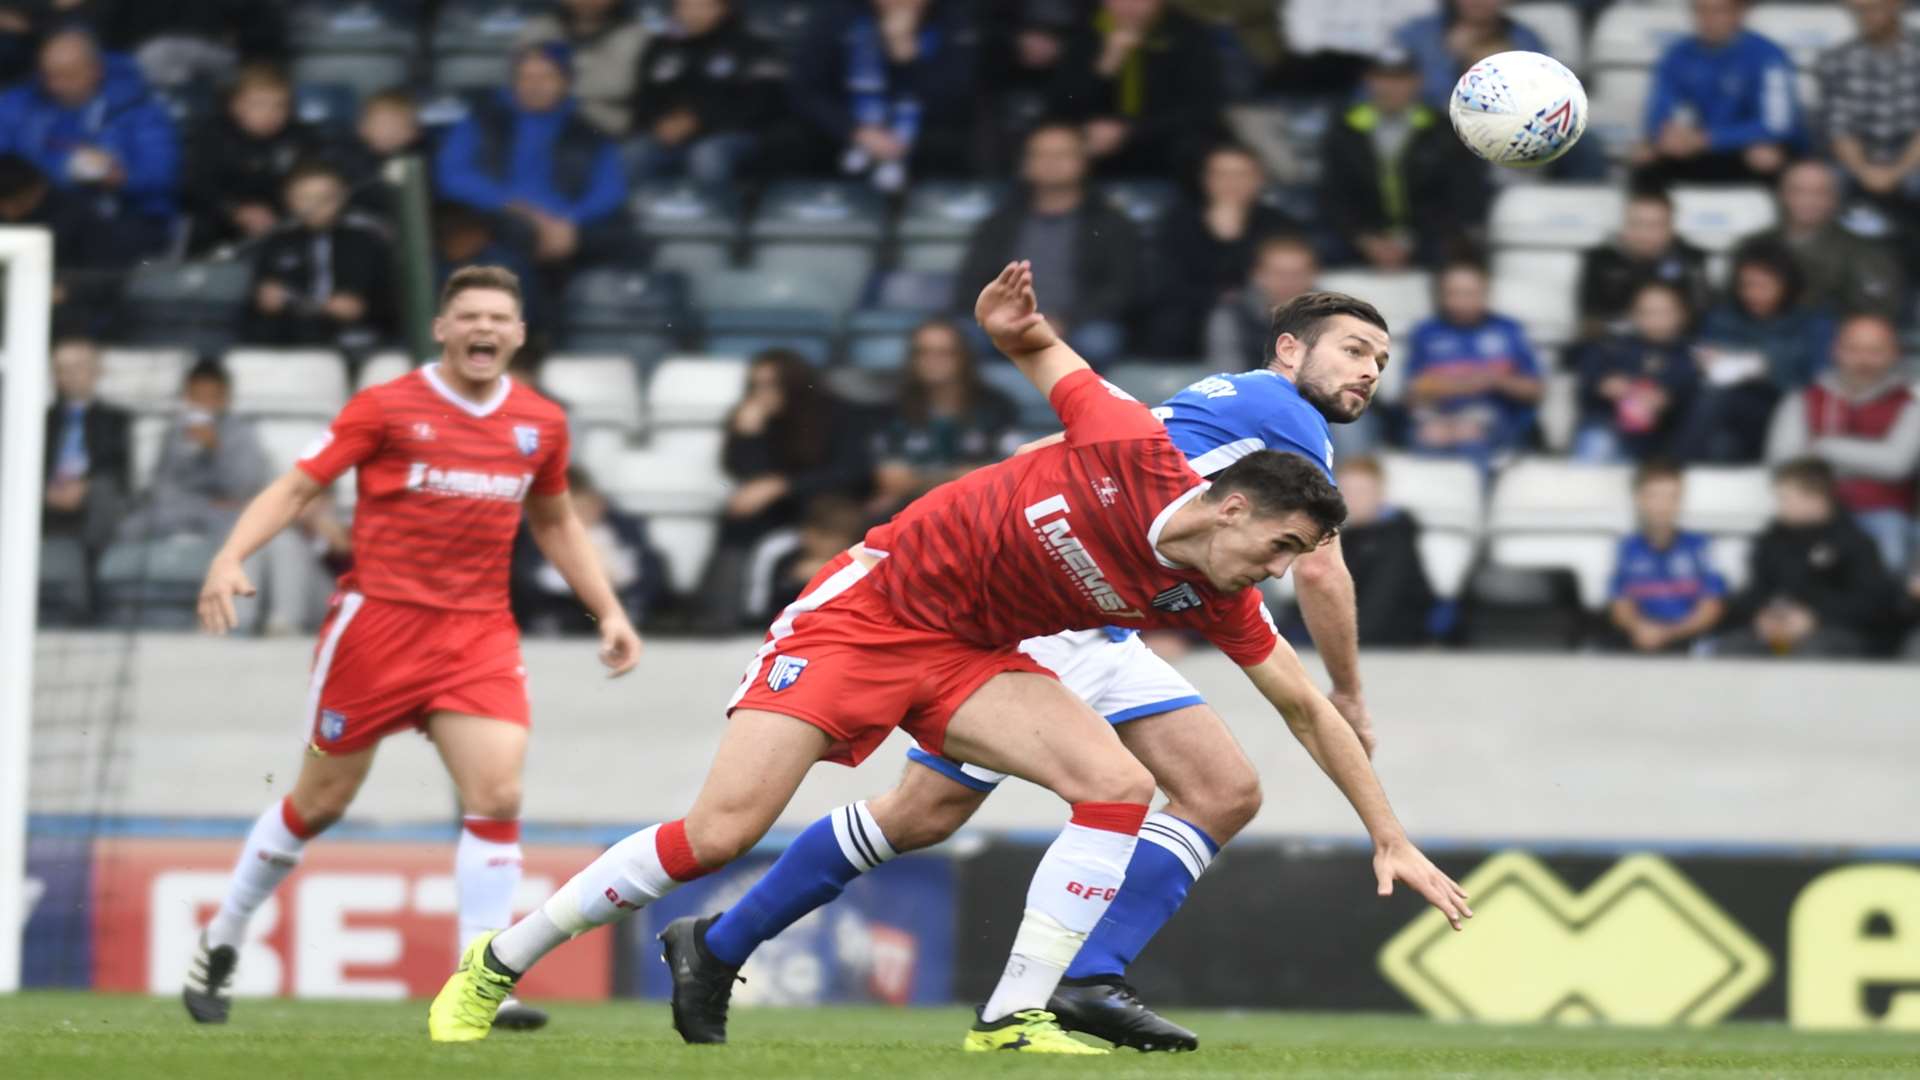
column 1029, row 1031
column 463, row 1010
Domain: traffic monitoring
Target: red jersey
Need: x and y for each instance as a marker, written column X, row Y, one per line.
column 1063, row 539
column 441, row 481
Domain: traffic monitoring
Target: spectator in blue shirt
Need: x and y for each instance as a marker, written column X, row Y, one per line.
column 1445, row 44
column 88, row 122
column 1472, row 380
column 1665, row 591
column 1722, row 106
column 1635, row 387
column 531, row 157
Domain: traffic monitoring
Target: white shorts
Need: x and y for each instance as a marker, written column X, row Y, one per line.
column 1121, row 680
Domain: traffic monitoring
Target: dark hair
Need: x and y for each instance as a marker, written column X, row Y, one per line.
column 312, row 168
column 1656, row 469
column 18, row 176
column 208, row 371
column 259, row 75
column 1807, row 473
column 836, row 514
column 915, row 406
column 395, row 96
column 1278, row 483
column 1774, row 259
column 1652, row 194
column 800, row 434
column 1286, row 241
column 1306, row 315
column 580, row 481
column 1673, row 289
column 480, row 277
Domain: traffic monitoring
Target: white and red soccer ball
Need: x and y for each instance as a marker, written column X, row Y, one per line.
column 1519, row 109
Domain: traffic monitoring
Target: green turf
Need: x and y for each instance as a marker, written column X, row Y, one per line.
column 94, row 1036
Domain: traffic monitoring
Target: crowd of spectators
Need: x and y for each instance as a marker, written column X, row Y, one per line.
column 1143, row 176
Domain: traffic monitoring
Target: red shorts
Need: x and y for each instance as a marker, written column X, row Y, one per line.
column 837, row 659
column 382, row 665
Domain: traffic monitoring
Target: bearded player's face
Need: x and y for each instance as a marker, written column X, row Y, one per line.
column 479, row 333
column 1340, row 373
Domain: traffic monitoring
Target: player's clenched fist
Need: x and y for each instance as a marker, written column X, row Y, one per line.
column 1009, row 312
column 619, row 646
column 225, row 580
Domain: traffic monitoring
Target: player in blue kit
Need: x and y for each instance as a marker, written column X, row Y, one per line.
column 1325, row 352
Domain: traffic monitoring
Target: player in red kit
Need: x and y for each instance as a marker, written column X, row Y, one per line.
column 919, row 626
column 419, row 634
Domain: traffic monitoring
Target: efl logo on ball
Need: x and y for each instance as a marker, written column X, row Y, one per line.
column 1519, row 109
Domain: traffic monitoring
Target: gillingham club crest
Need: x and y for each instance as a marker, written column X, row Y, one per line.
column 785, row 672
column 332, row 725
column 527, row 438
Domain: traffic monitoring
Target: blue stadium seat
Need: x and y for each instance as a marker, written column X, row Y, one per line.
column 878, row 340
column 939, row 218
column 823, row 229
column 745, row 331
column 189, row 305
column 913, row 290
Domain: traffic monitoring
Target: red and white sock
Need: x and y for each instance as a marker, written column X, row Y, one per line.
column 273, row 849
column 486, row 871
column 1071, row 890
column 625, row 878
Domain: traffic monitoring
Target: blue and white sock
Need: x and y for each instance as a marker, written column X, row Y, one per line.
column 810, row 873
column 1171, row 856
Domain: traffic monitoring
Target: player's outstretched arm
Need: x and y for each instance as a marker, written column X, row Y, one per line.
column 1336, row 749
column 563, row 540
column 272, row 510
column 1009, row 312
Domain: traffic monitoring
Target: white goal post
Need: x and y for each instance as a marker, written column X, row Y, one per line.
column 27, row 258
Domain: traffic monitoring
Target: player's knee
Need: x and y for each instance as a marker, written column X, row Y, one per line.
column 497, row 798
column 926, row 821
column 717, row 843
column 320, row 808
column 1122, row 780
column 1232, row 805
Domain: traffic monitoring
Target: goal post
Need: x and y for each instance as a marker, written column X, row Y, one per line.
column 26, row 263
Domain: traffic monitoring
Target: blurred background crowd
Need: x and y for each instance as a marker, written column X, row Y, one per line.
column 1657, row 397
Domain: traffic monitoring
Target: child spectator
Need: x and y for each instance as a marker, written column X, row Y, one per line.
column 1636, row 387
column 946, row 423
column 238, row 160
column 1860, row 417
column 1754, row 348
column 1283, row 268
column 1472, row 380
column 1665, row 592
column 1723, row 103
column 1816, row 587
column 388, row 128
column 543, row 601
column 1394, row 600
column 1645, row 249
column 831, row 525
column 321, row 278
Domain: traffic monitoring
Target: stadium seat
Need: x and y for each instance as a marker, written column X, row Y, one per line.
column 939, row 218
column 764, row 290
column 694, row 390
column 1569, row 216
column 1726, row 500
column 913, row 290
column 879, row 340
column 287, row 382
column 1447, row 557
column 746, row 331
column 193, row 305
column 1635, row 35
column 1145, row 202
column 382, row 367
column 1522, row 609
column 1036, row 415
column 677, row 473
column 1154, row 381
column 829, row 231
column 148, row 434
column 326, row 106
column 286, row 439
column 65, row 588
column 354, row 26
column 1560, row 409
column 1730, row 555
column 1544, row 495
column 1404, row 298
column 1558, row 24
column 154, row 583
column 479, row 26
column 464, row 72
column 1588, row 555
column 364, row 73
column 1440, row 493
column 689, row 228
column 596, row 390
column 1617, row 107
column 1717, row 218
column 143, row 380
column 685, row 541
column 636, row 313
column 600, row 450
column 1804, row 30
column 840, row 272
column 1540, row 289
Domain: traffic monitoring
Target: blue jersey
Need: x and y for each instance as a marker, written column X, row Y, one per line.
column 1665, row 583
column 1223, row 418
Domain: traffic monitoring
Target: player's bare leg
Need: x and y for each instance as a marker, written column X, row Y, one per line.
column 1032, row 727
column 1213, row 791
column 759, row 765
column 923, row 809
column 321, row 794
column 485, row 757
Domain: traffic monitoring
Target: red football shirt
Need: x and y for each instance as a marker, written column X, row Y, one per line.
column 1063, row 539
column 440, row 485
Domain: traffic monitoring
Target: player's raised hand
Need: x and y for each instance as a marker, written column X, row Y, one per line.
column 225, row 580
column 1009, row 312
column 1404, row 862
column 619, row 646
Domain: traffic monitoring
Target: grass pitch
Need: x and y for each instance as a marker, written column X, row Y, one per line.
column 54, row 1035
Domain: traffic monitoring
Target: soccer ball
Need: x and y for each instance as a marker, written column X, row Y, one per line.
column 1520, row 109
